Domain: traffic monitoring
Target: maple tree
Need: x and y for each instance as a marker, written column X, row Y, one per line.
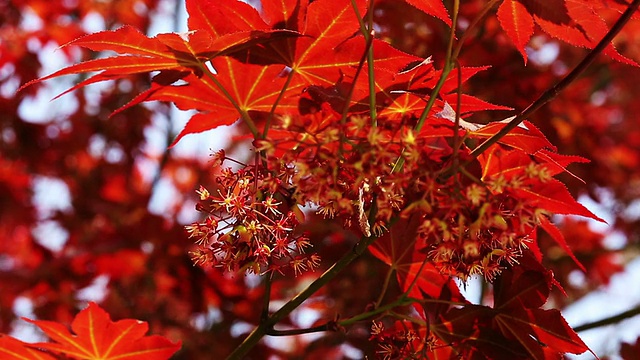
column 369, row 174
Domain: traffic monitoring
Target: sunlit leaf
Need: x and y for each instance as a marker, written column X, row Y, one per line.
column 553, row 196
column 434, row 8
column 543, row 333
column 410, row 265
column 517, row 22
column 95, row 336
column 14, row 349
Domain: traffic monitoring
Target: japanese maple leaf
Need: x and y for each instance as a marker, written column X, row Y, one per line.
column 573, row 21
column 396, row 249
column 585, row 30
column 469, row 328
column 434, row 8
column 526, row 138
column 629, row 351
column 245, row 88
column 14, row 349
column 405, row 93
column 550, row 194
column 177, row 52
column 326, row 50
column 331, row 46
column 502, row 161
column 225, row 18
column 516, row 327
column 554, row 197
column 542, row 332
column 221, row 17
column 173, row 53
column 499, row 161
column 95, row 336
column 518, row 23
column 519, row 293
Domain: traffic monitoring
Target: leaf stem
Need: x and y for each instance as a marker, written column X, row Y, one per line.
column 448, row 61
column 267, row 125
column 400, row 301
column 345, row 110
column 368, row 33
column 415, row 279
column 370, row 63
column 385, row 285
column 363, row 27
column 347, row 102
column 456, row 126
column 243, row 113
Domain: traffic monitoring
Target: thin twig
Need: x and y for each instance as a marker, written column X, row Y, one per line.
column 324, row 327
column 400, row 301
column 610, row 320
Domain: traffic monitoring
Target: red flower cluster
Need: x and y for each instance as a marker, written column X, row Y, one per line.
column 370, row 176
column 400, row 341
column 250, row 225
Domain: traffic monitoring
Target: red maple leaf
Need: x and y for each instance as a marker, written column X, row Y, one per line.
column 515, row 328
column 435, row 8
column 517, row 23
column 630, row 351
column 519, row 293
column 95, row 336
column 528, row 138
column 572, row 21
column 14, row 349
column 398, row 251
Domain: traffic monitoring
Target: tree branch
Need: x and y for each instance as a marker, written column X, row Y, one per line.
column 610, row 320
column 330, row 326
column 263, row 328
column 552, row 92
